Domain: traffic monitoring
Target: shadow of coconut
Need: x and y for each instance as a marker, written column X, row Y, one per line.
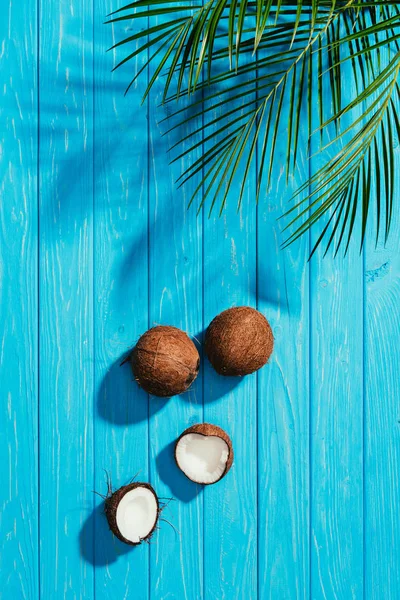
column 215, row 386
column 97, row 545
column 121, row 401
column 181, row 487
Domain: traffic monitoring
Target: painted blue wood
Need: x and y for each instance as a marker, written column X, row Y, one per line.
column 120, row 306
column 18, row 303
column 230, row 507
column 381, row 406
column 309, row 509
column 175, row 280
column 336, row 406
column 381, row 417
column 66, row 298
column 283, row 391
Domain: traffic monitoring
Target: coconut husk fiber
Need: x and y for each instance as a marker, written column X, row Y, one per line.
column 165, row 361
column 239, row 341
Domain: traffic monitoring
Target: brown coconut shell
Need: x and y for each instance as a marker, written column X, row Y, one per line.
column 208, row 429
column 111, row 505
column 239, row 341
column 165, row 361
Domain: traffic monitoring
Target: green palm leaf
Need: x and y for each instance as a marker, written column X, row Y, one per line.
column 239, row 62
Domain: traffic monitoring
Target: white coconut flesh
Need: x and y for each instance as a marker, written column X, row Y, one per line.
column 202, row 458
column 137, row 514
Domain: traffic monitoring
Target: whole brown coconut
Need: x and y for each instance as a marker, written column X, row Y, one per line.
column 165, row 361
column 239, row 341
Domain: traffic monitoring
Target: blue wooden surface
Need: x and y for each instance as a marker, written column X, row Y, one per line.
column 336, row 415
column 96, row 245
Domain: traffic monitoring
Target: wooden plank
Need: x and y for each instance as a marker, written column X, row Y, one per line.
column 230, row 506
column 18, row 303
column 381, row 404
column 336, row 377
column 66, row 298
column 121, row 303
column 382, row 434
column 382, row 397
column 175, row 271
column 337, row 426
column 283, row 389
column 230, row 521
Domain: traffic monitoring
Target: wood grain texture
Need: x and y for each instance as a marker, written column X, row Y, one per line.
column 336, row 428
column 18, row 303
column 382, row 404
column 230, row 506
column 66, row 297
column 120, row 305
column 336, row 407
column 175, row 272
column 381, row 418
column 382, row 409
column 283, row 390
column 108, row 249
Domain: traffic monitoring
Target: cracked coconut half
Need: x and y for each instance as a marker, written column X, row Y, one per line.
column 204, row 453
column 132, row 512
